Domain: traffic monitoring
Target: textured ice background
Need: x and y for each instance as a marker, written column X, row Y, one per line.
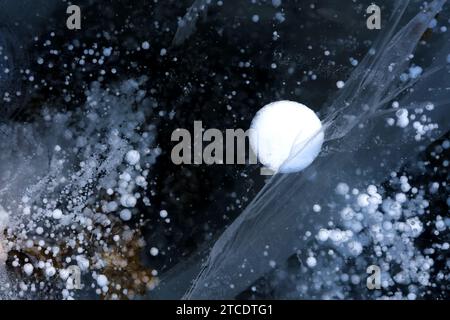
column 361, row 148
column 187, row 24
column 12, row 54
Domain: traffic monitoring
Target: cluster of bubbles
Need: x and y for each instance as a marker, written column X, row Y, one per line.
column 392, row 226
column 415, row 116
column 84, row 182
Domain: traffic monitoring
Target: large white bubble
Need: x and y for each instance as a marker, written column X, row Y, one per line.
column 286, row 136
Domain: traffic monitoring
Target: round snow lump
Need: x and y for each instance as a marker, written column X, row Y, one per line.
column 286, row 136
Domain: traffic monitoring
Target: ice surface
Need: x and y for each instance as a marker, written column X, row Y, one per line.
column 360, row 148
column 7, row 67
column 187, row 24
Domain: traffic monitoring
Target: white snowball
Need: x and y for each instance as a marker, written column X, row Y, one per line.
column 286, row 136
column 132, row 157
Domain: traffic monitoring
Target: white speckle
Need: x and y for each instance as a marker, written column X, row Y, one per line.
column 28, row 269
column 125, row 215
column 347, row 213
column 340, row 84
column 140, row 181
column 342, row 188
column 354, row 62
column 432, row 24
column 154, row 251
column 411, row 296
column 372, row 190
column 128, row 201
column 50, row 271
column 163, row 214
column 311, row 262
column 132, row 157
column 102, row 280
column 82, row 262
column 27, row 210
column 402, row 118
column 400, row 197
column 355, row 248
column 145, row 45
column 415, row 226
column 57, row 214
column 415, row 72
column 363, row 200
column 322, row 235
column 317, row 208
column 107, row 52
column 276, row 3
